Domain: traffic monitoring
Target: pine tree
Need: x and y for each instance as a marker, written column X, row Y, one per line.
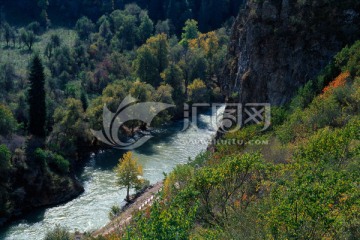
column 84, row 100
column 37, row 105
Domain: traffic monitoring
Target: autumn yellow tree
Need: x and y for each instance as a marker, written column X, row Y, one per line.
column 129, row 173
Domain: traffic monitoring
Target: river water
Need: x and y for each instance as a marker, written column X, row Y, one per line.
column 89, row 211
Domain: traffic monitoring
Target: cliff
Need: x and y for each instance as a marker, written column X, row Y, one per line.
column 279, row 45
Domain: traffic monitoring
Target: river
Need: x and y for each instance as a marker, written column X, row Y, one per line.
column 89, row 211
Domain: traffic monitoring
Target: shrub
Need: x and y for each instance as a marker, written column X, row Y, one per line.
column 339, row 81
column 317, row 196
column 58, row 233
column 114, row 212
column 55, row 161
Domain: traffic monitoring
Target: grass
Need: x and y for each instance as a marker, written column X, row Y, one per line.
column 20, row 57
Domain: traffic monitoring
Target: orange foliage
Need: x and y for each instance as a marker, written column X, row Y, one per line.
column 338, row 82
column 209, row 42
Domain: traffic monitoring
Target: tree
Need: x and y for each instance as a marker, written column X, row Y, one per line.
column 5, row 171
column 37, row 105
column 35, row 27
column 7, row 33
column 146, row 66
column 43, row 5
column 173, row 76
column 198, row 91
column 13, row 36
column 7, row 76
column 84, row 100
column 190, row 31
column 8, row 123
column 84, row 26
column 160, row 45
column 28, row 37
column 128, row 172
column 5, row 157
column 105, row 31
column 70, row 130
column 163, row 27
column 55, row 40
column 48, row 52
column 146, row 28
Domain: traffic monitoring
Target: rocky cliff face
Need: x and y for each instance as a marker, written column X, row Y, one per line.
column 279, row 45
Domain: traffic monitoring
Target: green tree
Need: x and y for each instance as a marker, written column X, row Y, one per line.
column 5, row 171
column 173, row 76
column 128, row 172
column 84, row 100
column 5, row 164
column 8, row 123
column 160, row 46
column 43, row 5
column 163, row 27
column 146, row 28
column 190, row 31
column 7, row 76
column 112, row 96
column 8, row 31
column 198, row 91
column 146, row 65
column 28, row 38
column 84, row 27
column 37, row 105
column 70, row 130
column 55, row 42
column 105, row 31
column 34, row 26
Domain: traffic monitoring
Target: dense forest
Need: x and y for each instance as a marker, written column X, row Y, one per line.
column 61, row 62
column 210, row 14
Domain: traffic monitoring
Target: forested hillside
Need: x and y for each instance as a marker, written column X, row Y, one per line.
column 211, row 14
column 45, row 127
column 299, row 180
column 61, row 62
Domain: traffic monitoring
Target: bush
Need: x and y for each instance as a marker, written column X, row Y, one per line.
column 58, row 233
column 114, row 212
column 317, row 196
column 55, row 161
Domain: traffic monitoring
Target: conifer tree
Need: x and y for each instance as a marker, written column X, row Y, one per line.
column 37, row 105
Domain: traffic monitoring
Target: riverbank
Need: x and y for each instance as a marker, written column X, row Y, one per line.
column 143, row 201
column 89, row 212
